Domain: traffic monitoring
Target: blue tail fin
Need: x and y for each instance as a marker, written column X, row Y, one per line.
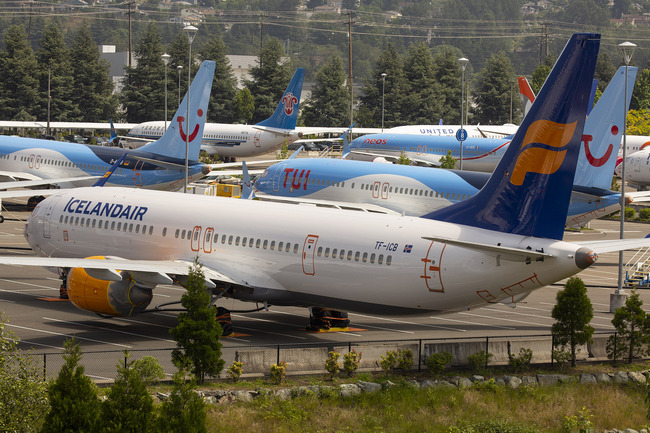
column 286, row 113
column 346, row 144
column 592, row 96
column 172, row 143
column 528, row 193
column 113, row 135
column 603, row 131
column 102, row 180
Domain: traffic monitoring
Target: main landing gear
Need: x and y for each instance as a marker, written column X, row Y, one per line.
column 324, row 319
column 63, row 289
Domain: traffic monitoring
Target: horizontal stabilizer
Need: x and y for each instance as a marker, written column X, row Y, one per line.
column 613, row 245
column 505, row 253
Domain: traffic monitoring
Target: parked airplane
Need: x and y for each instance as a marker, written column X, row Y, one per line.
column 418, row 191
column 637, row 169
column 230, row 141
column 157, row 165
column 497, row 246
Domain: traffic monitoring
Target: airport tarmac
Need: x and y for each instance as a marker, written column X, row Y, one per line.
column 28, row 298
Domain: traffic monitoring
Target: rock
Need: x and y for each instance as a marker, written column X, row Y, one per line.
column 464, row 382
column 210, row 400
column 512, row 381
column 587, row 378
column 630, row 430
column 478, row 378
column 552, row 379
column 499, row 381
column 413, row 384
column 388, row 384
column 242, row 396
column 162, row 396
column 283, row 394
column 529, row 381
column 370, row 387
column 620, row 377
column 349, row 390
column 428, row 384
column 636, row 377
column 603, row 378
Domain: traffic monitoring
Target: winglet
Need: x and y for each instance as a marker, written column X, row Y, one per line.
column 246, row 185
column 113, row 135
column 286, row 113
column 172, row 143
column 294, row 154
column 529, row 191
column 102, row 180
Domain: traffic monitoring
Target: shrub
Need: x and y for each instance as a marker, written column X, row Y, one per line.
column 388, row 361
column 522, row 361
column 351, row 362
column 479, row 360
column 644, row 214
column 404, row 359
column 332, row 364
column 581, row 422
column 438, row 362
column 278, row 372
column 561, row 357
column 235, row 370
column 629, row 213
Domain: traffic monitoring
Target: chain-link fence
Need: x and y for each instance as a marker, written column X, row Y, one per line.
column 310, row 358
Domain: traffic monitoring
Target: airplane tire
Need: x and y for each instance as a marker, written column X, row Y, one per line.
column 2, row 219
column 324, row 319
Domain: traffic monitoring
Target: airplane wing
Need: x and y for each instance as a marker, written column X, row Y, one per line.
column 163, row 164
column 505, row 253
column 219, row 166
column 153, row 271
column 64, row 125
column 306, row 130
column 39, row 181
column 435, row 162
column 363, row 207
column 609, row 246
column 638, row 196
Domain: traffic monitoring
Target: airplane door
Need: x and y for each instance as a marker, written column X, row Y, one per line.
column 196, row 238
column 207, row 240
column 432, row 273
column 308, row 253
column 47, row 217
column 137, row 173
column 276, row 178
column 256, row 139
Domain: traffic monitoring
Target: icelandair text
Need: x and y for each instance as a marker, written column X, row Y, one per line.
column 109, row 210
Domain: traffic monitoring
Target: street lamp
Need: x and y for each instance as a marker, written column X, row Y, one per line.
column 383, row 86
column 165, row 59
column 179, row 67
column 463, row 64
column 191, row 32
column 617, row 299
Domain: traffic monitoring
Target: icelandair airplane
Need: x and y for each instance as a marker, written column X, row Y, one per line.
column 499, row 245
column 157, row 165
column 230, row 141
column 418, row 191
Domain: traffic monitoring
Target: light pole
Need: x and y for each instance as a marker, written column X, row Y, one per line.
column 617, row 299
column 383, row 86
column 165, row 59
column 179, row 67
column 191, row 32
column 463, row 64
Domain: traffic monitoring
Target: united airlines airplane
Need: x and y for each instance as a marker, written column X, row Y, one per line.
column 418, row 191
column 115, row 245
column 157, row 165
column 230, row 141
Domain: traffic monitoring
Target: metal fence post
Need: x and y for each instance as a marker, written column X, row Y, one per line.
column 44, row 367
column 615, row 350
column 487, row 345
column 552, row 348
column 420, row 355
column 278, row 357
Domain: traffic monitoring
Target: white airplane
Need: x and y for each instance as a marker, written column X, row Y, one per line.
column 115, row 244
column 637, row 169
column 230, row 141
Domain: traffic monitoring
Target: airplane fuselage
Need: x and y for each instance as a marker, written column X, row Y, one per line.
column 43, row 159
column 301, row 255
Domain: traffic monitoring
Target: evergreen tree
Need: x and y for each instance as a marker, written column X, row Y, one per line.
column 128, row 407
column 605, row 70
column 197, row 333
column 447, row 74
column 179, row 50
column 394, row 92
column 330, row 98
column 632, row 326
column 493, row 94
column 23, row 393
column 423, row 92
column 143, row 95
column 54, row 64
column 224, row 86
column 18, row 77
column 74, row 406
column 270, row 77
column 184, row 411
column 572, row 313
column 93, row 96
column 621, row 7
column 641, row 93
column 245, row 105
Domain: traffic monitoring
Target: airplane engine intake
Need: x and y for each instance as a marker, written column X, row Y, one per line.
column 114, row 298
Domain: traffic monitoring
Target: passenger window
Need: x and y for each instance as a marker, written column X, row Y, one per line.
column 320, row 251
column 164, row 231
column 327, row 252
column 266, row 244
column 82, row 222
column 295, row 248
column 196, row 235
column 388, row 260
column 183, row 234
column 257, row 244
column 349, row 255
column 60, row 219
column 365, row 257
column 380, row 259
column 251, row 242
column 372, row 258
column 119, row 226
column 356, row 256
column 100, row 224
column 280, row 245
column 230, row 239
column 137, row 228
column 113, row 225
column 150, row 230
column 237, row 241
column 94, row 222
column 131, row 228
column 223, row 239
column 272, row 245
column 177, row 232
column 334, row 252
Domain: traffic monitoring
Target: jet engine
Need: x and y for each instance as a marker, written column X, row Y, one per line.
column 125, row 297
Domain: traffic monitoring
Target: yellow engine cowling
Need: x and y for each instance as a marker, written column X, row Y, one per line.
column 114, row 298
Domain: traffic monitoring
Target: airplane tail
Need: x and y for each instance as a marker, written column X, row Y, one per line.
column 246, row 184
column 113, row 135
column 604, row 126
column 528, row 194
column 346, row 144
column 102, row 180
column 286, row 113
column 592, row 96
column 172, row 143
column 526, row 95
